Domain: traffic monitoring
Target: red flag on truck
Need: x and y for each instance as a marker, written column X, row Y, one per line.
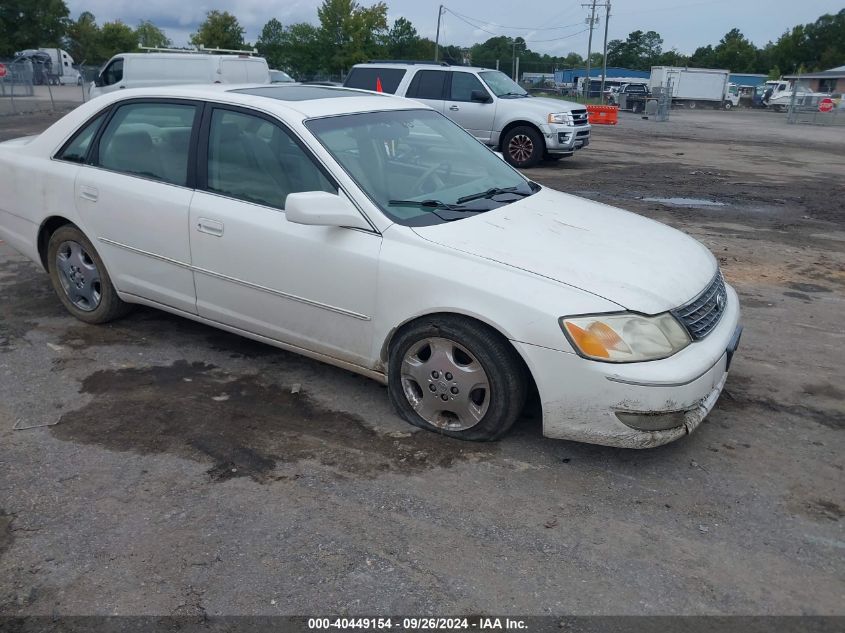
column 378, row 85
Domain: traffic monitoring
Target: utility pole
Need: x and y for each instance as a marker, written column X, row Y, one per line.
column 589, row 47
column 437, row 37
column 604, row 55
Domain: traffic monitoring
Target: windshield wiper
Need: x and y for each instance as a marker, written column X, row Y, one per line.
column 432, row 204
column 514, row 94
column 490, row 193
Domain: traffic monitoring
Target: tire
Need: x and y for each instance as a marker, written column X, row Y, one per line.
column 523, row 146
column 426, row 392
column 728, row 105
column 80, row 279
column 692, row 105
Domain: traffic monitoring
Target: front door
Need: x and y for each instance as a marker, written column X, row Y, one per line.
column 134, row 197
column 313, row 287
column 475, row 117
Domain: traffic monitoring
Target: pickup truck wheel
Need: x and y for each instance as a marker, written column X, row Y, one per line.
column 523, row 147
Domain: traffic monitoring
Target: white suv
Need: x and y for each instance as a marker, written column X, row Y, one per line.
column 487, row 103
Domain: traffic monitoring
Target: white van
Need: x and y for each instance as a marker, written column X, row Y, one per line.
column 139, row 70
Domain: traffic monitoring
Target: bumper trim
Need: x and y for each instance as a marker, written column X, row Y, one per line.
column 652, row 383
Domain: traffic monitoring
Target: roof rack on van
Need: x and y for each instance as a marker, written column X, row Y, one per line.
column 199, row 49
column 405, row 61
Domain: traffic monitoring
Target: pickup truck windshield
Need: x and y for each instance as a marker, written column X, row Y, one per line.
column 419, row 167
column 501, row 84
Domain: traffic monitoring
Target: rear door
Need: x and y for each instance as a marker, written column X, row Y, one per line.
column 429, row 87
column 133, row 197
column 475, row 117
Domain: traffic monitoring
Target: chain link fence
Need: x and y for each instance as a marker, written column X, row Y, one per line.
column 27, row 85
column 816, row 110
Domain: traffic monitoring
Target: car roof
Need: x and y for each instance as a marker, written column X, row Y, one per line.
column 423, row 66
column 282, row 99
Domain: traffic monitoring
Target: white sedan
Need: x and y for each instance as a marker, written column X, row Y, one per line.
column 372, row 233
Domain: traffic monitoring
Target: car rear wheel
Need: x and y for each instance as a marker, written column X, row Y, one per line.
column 80, row 279
column 456, row 377
column 523, row 147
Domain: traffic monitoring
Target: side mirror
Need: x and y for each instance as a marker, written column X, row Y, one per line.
column 98, row 81
column 319, row 208
column 479, row 96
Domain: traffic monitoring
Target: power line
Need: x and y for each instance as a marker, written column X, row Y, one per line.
column 513, row 28
column 554, row 39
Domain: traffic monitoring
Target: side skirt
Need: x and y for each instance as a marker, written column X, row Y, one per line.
column 323, row 358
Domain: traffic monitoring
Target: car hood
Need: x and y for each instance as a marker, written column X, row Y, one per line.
column 640, row 264
column 544, row 105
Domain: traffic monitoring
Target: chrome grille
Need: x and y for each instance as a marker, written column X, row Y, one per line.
column 702, row 314
column 579, row 117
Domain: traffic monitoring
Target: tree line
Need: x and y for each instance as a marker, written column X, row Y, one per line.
column 348, row 32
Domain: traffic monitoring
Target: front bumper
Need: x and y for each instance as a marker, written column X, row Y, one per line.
column 581, row 398
column 566, row 139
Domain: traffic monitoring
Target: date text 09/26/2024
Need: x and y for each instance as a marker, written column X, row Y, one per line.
column 417, row 624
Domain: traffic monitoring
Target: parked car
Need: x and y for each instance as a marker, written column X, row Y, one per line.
column 488, row 104
column 280, row 77
column 372, row 233
column 140, row 70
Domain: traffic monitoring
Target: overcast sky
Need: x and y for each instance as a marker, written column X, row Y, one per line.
column 684, row 25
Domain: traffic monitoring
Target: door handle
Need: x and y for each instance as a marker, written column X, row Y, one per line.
column 211, row 227
column 121, row 87
column 454, row 108
column 87, row 192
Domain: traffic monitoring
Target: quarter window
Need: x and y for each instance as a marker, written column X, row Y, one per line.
column 150, row 140
column 77, row 149
column 371, row 78
column 252, row 159
column 463, row 84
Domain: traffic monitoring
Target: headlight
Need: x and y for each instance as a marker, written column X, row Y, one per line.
column 625, row 338
column 562, row 118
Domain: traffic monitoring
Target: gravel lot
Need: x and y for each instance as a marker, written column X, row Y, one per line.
column 182, row 476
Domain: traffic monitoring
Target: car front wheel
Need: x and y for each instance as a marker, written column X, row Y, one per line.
column 80, row 279
column 523, row 147
column 456, row 377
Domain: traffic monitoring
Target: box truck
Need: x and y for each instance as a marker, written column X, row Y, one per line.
column 696, row 87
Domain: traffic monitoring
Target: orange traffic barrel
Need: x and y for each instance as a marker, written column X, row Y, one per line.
column 603, row 114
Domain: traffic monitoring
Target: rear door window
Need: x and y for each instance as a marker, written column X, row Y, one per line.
column 388, row 79
column 427, row 84
column 151, row 140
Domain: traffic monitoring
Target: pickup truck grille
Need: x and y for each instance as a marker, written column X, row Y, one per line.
column 702, row 314
column 579, row 117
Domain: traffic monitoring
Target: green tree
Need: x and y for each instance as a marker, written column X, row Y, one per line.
column 402, row 41
column 116, row 37
column 82, row 39
column 303, row 50
column 149, row 34
column 703, row 57
column 640, row 50
column 220, row 29
column 31, row 24
column 271, row 43
column 735, row 53
column 350, row 33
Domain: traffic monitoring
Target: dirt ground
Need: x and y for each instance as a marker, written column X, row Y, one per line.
column 182, row 476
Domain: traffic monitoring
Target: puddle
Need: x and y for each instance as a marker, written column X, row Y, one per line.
column 242, row 426
column 686, row 202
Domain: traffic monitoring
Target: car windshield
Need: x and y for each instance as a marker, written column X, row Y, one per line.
column 419, row 167
column 501, row 84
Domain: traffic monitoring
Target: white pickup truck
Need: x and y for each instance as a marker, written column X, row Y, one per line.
column 488, row 104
